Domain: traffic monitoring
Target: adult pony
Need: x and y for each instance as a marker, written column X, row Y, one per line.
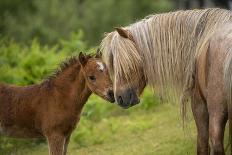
column 53, row 108
column 186, row 51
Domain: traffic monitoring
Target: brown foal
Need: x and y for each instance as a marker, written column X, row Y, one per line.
column 53, row 108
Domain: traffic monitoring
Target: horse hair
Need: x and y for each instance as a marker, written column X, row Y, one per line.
column 167, row 46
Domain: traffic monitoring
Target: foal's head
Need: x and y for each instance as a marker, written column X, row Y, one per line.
column 97, row 76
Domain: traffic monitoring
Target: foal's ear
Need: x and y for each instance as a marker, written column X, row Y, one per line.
column 124, row 33
column 82, row 58
column 98, row 54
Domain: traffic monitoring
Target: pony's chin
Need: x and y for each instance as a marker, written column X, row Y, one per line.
column 127, row 106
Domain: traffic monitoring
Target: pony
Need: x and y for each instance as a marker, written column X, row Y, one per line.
column 184, row 54
column 52, row 108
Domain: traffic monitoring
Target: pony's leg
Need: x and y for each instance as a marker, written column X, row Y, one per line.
column 217, row 122
column 200, row 113
column 56, row 143
column 217, row 109
column 66, row 145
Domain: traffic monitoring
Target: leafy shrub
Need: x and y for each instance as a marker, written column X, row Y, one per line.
column 21, row 64
column 51, row 20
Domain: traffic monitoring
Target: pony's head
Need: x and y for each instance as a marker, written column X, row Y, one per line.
column 125, row 65
column 97, row 76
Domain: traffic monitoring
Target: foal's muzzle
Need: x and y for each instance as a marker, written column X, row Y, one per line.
column 127, row 99
column 110, row 96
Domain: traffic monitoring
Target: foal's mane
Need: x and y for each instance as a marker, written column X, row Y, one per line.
column 67, row 63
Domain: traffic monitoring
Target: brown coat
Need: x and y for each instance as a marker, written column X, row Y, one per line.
column 52, row 109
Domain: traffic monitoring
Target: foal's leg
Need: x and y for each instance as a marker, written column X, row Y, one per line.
column 56, row 143
column 201, row 117
column 66, row 145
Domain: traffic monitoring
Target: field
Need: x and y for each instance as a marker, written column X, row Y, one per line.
column 157, row 130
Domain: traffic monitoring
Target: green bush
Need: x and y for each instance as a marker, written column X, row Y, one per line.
column 21, row 64
column 52, row 20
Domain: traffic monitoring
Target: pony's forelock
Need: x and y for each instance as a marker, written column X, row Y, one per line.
column 119, row 55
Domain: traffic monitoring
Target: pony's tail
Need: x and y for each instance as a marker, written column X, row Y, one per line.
column 228, row 86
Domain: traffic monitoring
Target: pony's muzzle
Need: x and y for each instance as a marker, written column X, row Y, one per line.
column 127, row 99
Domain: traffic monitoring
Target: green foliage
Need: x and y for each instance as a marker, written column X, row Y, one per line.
column 9, row 146
column 52, row 20
column 22, row 64
column 49, row 21
column 74, row 43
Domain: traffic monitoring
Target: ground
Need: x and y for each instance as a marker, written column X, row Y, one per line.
column 150, row 128
column 157, row 131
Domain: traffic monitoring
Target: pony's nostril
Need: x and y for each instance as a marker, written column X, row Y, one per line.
column 120, row 100
column 130, row 96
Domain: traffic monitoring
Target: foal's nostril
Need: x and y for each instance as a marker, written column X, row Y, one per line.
column 111, row 94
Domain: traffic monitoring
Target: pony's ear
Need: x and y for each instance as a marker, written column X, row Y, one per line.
column 98, row 54
column 82, row 58
column 122, row 32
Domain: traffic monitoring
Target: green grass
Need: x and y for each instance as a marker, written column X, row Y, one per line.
column 150, row 128
column 141, row 132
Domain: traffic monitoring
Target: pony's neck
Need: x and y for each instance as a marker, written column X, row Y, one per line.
column 71, row 83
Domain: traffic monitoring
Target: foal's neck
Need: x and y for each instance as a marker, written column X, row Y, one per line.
column 71, row 84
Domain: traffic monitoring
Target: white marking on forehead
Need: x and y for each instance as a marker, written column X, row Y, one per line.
column 100, row 66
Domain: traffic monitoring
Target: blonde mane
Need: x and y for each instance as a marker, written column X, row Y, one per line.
column 166, row 47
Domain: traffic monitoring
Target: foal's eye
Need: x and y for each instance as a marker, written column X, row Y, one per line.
column 92, row 78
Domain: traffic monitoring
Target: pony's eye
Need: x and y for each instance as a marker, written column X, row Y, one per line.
column 92, row 78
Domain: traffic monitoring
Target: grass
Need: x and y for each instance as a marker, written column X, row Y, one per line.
column 150, row 128
column 141, row 132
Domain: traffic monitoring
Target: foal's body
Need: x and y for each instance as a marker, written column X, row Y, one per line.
column 53, row 108
column 35, row 110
